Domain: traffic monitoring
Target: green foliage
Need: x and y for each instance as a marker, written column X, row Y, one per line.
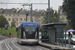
column 62, row 21
column 69, row 8
column 68, row 26
column 11, row 30
column 54, row 16
column 3, row 21
column 13, row 23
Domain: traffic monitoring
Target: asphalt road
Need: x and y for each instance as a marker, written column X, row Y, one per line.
column 2, row 37
column 11, row 44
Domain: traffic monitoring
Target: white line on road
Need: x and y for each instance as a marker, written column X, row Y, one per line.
column 16, row 46
column 6, row 45
column 1, row 43
column 9, row 46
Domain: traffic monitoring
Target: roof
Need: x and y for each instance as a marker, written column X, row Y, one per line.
column 56, row 23
column 19, row 11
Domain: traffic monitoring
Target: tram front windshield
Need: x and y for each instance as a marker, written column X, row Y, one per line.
column 30, row 28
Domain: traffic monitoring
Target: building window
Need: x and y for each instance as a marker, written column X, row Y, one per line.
column 17, row 14
column 6, row 14
column 20, row 19
column 24, row 19
column 13, row 19
column 14, row 14
column 17, row 19
column 17, row 24
column 9, row 19
column 9, row 14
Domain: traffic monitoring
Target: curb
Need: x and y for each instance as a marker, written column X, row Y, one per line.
column 53, row 47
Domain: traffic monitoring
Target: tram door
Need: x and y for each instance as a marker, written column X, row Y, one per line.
column 45, row 36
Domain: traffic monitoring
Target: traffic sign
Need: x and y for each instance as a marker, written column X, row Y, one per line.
column 6, row 27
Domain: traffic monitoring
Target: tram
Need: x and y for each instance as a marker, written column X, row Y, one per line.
column 27, row 33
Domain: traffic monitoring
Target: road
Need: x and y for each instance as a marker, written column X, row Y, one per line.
column 11, row 44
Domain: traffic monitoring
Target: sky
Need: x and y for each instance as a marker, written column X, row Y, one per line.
column 53, row 3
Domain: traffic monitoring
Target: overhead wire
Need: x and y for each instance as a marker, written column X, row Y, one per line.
column 41, row 1
column 6, row 5
column 22, row 3
column 29, row 1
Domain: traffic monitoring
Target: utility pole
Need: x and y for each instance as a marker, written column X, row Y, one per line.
column 59, row 15
column 48, row 11
column 35, row 16
column 44, row 17
column 31, row 14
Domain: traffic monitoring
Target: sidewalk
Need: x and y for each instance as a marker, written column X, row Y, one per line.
column 72, row 47
column 54, row 47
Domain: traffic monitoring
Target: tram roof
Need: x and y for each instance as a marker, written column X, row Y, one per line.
column 30, row 23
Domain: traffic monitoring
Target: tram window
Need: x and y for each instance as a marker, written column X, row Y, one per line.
column 19, row 33
column 47, row 34
column 29, row 28
column 43, row 34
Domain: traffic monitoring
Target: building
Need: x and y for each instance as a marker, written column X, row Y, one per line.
column 20, row 15
column 62, row 15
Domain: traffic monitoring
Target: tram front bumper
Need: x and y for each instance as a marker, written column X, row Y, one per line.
column 29, row 41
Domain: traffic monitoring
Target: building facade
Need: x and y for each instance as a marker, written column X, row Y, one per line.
column 62, row 15
column 20, row 15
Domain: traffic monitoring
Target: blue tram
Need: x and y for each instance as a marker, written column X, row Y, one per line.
column 27, row 33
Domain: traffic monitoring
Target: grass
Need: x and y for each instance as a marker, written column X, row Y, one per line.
column 11, row 30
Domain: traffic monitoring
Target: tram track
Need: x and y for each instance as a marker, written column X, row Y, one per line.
column 15, row 45
column 11, row 44
column 38, row 48
column 29, row 47
column 8, row 46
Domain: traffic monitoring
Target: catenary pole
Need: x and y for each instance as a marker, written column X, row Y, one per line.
column 48, row 11
column 31, row 14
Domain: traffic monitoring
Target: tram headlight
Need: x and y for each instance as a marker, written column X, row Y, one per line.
column 23, row 34
column 36, row 37
column 24, row 37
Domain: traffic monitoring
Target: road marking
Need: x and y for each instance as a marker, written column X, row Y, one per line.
column 6, row 45
column 16, row 46
column 1, row 43
column 9, row 46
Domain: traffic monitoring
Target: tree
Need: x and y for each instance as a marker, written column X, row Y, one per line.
column 69, row 7
column 3, row 21
column 54, row 16
column 13, row 23
column 68, row 26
